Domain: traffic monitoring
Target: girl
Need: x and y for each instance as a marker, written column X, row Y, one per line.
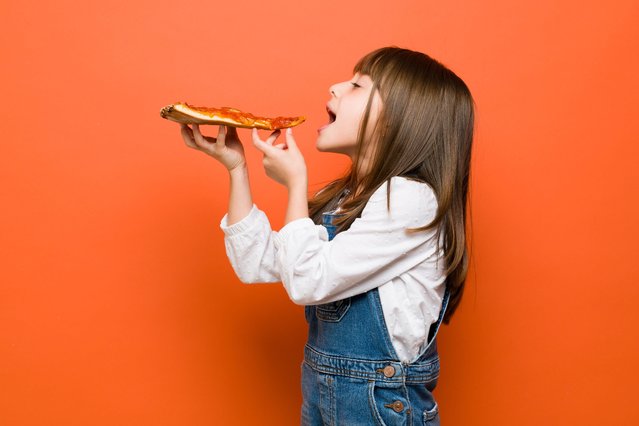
column 378, row 256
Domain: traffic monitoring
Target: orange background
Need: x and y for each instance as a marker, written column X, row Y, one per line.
column 117, row 303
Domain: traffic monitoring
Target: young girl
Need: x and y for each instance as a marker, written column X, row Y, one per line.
column 379, row 256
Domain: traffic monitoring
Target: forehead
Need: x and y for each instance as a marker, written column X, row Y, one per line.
column 362, row 77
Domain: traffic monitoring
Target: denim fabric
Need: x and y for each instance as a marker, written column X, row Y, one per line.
column 351, row 374
column 327, row 221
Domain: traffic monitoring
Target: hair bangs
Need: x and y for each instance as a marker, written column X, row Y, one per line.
column 375, row 65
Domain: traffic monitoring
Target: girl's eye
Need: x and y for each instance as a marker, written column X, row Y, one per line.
column 356, row 85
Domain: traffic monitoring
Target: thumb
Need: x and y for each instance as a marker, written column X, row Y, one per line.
column 290, row 140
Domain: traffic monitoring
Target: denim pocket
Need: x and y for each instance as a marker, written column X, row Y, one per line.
column 334, row 311
column 431, row 417
column 388, row 403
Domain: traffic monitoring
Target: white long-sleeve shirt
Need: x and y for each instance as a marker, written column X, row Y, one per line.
column 376, row 251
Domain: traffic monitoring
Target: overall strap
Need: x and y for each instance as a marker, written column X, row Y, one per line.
column 431, row 347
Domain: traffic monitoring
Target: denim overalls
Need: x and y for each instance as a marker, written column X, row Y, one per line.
column 351, row 374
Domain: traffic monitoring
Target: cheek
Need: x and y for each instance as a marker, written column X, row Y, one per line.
column 351, row 123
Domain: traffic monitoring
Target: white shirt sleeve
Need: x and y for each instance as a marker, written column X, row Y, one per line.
column 250, row 249
column 373, row 251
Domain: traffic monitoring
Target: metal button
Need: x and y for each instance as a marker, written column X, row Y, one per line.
column 389, row 371
column 397, row 406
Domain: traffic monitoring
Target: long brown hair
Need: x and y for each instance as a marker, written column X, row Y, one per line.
column 424, row 132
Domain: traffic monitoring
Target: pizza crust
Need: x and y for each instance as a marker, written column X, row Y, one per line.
column 188, row 114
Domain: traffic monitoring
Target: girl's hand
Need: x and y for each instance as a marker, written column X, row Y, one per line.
column 226, row 148
column 283, row 162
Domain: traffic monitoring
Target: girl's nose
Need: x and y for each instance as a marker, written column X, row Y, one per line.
column 332, row 89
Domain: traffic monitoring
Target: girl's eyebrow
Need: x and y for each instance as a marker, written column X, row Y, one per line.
column 362, row 78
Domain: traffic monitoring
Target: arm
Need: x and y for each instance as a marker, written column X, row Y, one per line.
column 249, row 239
column 285, row 164
column 297, row 207
column 228, row 150
column 240, row 198
column 250, row 248
column 372, row 252
column 248, row 233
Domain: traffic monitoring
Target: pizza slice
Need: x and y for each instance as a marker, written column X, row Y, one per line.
column 188, row 114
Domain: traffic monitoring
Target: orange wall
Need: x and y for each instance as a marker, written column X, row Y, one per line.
column 117, row 303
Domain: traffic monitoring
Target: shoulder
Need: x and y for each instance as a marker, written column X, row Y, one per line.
column 409, row 199
column 403, row 189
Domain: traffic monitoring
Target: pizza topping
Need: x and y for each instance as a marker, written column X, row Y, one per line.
column 189, row 114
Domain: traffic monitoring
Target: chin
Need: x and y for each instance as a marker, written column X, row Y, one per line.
column 332, row 150
column 322, row 147
column 335, row 148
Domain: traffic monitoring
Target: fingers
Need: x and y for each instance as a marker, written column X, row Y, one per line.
column 259, row 144
column 273, row 137
column 221, row 136
column 200, row 141
column 265, row 147
column 231, row 132
column 290, row 140
column 187, row 135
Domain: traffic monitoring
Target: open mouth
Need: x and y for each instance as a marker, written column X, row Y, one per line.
column 331, row 119
column 331, row 115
